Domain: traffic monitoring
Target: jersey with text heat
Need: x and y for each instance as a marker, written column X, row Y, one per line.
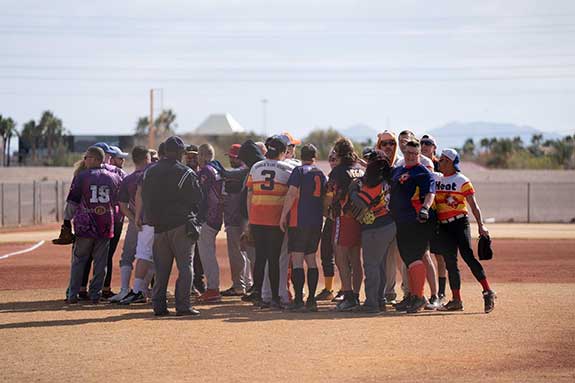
column 450, row 195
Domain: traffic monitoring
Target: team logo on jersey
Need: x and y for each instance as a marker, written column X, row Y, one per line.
column 100, row 210
column 403, row 178
column 451, row 201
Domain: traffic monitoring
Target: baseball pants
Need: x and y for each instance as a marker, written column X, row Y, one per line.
column 453, row 236
column 376, row 243
column 170, row 245
column 238, row 259
column 283, row 278
column 84, row 251
column 269, row 241
column 207, row 248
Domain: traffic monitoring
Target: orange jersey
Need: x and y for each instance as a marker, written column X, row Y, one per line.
column 268, row 182
column 450, row 194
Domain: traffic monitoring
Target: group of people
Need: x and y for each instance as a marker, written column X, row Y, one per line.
column 396, row 207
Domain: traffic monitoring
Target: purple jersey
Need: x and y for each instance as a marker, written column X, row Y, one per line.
column 211, row 210
column 95, row 192
column 128, row 188
column 307, row 211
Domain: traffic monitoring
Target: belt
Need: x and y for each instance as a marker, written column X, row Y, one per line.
column 453, row 218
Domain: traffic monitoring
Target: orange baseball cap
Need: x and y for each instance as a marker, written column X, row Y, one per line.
column 292, row 140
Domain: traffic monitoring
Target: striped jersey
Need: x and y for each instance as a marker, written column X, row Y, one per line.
column 450, row 195
column 268, row 182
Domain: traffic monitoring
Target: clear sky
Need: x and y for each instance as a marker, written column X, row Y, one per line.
column 404, row 64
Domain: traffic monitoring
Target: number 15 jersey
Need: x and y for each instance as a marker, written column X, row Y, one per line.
column 95, row 192
column 268, row 182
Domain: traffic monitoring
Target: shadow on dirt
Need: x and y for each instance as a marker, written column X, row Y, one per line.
column 230, row 310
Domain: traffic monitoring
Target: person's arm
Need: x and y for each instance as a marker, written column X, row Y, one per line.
column 249, row 202
column 427, row 186
column 124, row 209
column 291, row 196
column 472, row 202
column 139, row 206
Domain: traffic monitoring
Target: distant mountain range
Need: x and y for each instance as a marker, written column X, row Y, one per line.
column 359, row 133
column 454, row 134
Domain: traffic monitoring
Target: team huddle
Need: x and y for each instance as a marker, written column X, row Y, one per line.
column 396, row 207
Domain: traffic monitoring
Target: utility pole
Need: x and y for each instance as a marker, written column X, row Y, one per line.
column 151, row 132
column 264, row 113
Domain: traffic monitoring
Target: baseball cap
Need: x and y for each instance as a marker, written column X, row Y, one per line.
column 192, row 149
column 428, row 138
column 117, row 152
column 452, row 155
column 277, row 143
column 105, row 147
column 174, row 144
column 292, row 140
column 234, row 151
column 308, row 152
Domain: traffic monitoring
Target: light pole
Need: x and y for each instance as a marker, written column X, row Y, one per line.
column 264, row 115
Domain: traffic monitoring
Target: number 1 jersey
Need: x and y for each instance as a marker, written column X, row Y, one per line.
column 268, row 182
column 95, row 192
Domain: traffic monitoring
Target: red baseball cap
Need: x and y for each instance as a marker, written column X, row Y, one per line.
column 234, row 151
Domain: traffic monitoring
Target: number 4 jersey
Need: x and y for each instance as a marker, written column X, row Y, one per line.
column 268, row 182
column 94, row 191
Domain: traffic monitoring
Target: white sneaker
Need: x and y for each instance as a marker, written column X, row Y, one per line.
column 121, row 295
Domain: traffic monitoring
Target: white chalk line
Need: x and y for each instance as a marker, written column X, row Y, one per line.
column 31, row 248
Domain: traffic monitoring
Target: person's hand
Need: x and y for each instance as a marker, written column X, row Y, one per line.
column 283, row 223
column 423, row 215
column 483, row 230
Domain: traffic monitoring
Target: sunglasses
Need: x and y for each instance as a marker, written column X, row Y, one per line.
column 387, row 143
column 427, row 142
column 86, row 157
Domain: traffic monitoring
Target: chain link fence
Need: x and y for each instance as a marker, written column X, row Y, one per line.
column 43, row 202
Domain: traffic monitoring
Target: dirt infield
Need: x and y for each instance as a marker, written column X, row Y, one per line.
column 529, row 337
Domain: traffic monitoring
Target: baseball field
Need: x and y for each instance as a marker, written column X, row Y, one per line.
column 529, row 337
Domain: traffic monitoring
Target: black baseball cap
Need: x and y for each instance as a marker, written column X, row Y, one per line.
column 174, row 144
column 308, row 152
column 192, row 149
column 278, row 143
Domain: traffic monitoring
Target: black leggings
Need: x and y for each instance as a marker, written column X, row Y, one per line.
column 110, row 262
column 453, row 236
column 326, row 249
column 269, row 240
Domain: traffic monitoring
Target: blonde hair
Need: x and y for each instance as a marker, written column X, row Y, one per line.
column 79, row 167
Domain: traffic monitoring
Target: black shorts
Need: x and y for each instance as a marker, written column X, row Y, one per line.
column 435, row 241
column 303, row 240
column 413, row 240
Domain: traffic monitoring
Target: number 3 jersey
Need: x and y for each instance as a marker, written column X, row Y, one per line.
column 94, row 191
column 268, row 182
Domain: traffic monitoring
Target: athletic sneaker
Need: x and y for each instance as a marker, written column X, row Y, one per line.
column 311, row 305
column 232, row 292
column 489, row 300
column 417, row 304
column 325, row 295
column 252, row 297
column 433, row 303
column 296, row 307
column 367, row 309
column 107, row 294
column 83, row 296
column 210, row 296
column 453, row 305
column 121, row 295
column 134, row 297
column 348, row 304
column 190, row 312
column 402, row 306
column 276, row 304
column 442, row 299
column 72, row 301
column 338, row 297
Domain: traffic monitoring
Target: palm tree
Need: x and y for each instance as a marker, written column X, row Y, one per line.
column 7, row 131
column 32, row 134
column 165, row 123
column 53, row 130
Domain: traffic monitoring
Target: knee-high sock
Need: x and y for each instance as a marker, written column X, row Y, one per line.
column 417, row 275
column 126, row 274
column 441, row 290
column 312, row 278
column 298, row 278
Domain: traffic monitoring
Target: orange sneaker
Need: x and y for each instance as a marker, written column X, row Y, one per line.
column 210, row 296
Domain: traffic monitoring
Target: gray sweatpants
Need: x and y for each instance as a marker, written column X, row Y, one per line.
column 207, row 248
column 82, row 249
column 130, row 243
column 375, row 244
column 239, row 264
column 391, row 272
column 170, row 245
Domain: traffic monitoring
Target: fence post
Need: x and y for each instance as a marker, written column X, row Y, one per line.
column 39, row 202
column 528, row 202
column 57, row 201
column 34, row 202
column 19, row 204
column 2, row 202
